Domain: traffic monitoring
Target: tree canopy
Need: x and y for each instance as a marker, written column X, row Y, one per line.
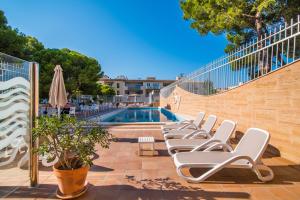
column 241, row 20
column 106, row 90
column 80, row 72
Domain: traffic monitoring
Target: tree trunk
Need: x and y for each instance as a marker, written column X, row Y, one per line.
column 263, row 66
column 280, row 58
column 258, row 24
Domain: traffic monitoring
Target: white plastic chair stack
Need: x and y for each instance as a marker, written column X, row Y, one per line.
column 72, row 111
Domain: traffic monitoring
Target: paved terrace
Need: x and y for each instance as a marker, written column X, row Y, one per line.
column 119, row 173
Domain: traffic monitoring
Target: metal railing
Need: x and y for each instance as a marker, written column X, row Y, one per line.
column 152, row 87
column 246, row 63
column 13, row 67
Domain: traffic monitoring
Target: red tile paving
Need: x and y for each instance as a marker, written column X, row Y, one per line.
column 119, row 173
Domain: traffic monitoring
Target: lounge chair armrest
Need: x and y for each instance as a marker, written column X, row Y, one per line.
column 238, row 157
column 184, row 125
column 205, row 144
column 226, row 162
column 203, row 133
column 192, row 126
column 190, row 135
column 186, row 121
column 196, row 133
column 220, row 166
column 218, row 145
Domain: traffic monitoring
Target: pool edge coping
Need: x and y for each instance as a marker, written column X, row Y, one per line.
column 107, row 115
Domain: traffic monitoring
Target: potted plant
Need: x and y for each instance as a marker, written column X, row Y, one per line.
column 73, row 144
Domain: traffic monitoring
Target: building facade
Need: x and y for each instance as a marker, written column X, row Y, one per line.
column 140, row 88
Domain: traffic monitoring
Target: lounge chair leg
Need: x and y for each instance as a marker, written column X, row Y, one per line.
column 173, row 151
column 257, row 168
column 153, row 149
column 201, row 178
column 139, row 153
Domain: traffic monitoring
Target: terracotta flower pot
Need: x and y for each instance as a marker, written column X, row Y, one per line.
column 71, row 181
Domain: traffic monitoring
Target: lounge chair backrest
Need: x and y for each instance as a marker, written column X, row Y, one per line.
column 209, row 123
column 253, row 143
column 199, row 119
column 225, row 130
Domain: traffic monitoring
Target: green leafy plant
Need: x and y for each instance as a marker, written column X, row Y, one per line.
column 73, row 142
column 241, row 20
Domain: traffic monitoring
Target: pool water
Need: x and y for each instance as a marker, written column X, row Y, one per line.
column 142, row 115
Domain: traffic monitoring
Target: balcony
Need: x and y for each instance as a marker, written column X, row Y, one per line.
column 152, row 87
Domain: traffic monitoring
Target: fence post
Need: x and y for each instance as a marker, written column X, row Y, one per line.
column 34, row 111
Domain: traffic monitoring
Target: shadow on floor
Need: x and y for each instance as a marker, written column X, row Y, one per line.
column 132, row 140
column 174, row 192
column 284, row 175
column 163, row 153
column 167, row 188
column 94, row 168
column 97, row 168
column 127, row 140
column 43, row 191
column 151, row 189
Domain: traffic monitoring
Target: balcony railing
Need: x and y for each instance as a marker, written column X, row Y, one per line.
column 251, row 61
column 134, row 87
column 152, row 87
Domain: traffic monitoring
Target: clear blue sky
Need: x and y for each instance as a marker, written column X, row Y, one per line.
column 136, row 38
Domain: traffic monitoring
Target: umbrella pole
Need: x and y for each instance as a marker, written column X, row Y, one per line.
column 58, row 111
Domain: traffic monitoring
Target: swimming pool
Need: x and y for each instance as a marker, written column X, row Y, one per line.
column 131, row 115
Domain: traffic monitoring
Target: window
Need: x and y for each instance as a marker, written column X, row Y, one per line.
column 118, row 85
column 118, row 92
column 139, row 92
column 156, row 85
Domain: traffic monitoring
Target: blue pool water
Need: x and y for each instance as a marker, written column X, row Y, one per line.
column 142, row 115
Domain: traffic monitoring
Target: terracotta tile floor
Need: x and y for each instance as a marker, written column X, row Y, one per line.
column 119, row 173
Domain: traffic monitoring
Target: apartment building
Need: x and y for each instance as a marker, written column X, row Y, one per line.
column 136, row 87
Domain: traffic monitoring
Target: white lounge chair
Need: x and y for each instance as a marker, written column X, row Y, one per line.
column 219, row 139
column 193, row 124
column 204, row 131
column 247, row 154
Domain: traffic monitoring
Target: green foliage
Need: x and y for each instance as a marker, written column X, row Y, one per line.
column 12, row 42
column 31, row 47
column 80, row 72
column 3, row 20
column 241, row 20
column 72, row 142
column 106, row 90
